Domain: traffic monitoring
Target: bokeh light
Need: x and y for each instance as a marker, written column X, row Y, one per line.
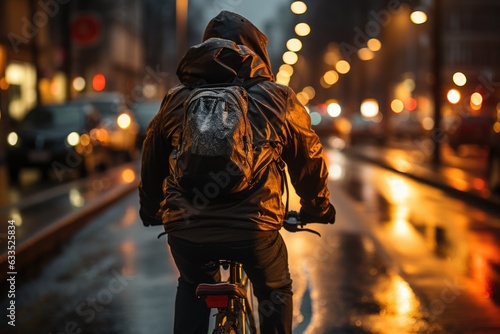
column 302, row 29
column 310, row 91
column 298, row 7
column 459, row 79
column 374, row 44
column 124, row 121
column 99, row 82
column 79, row 84
column 418, row 17
column 397, row 106
column 294, row 44
column 454, row 96
column 342, row 67
column 369, row 108
column 290, row 58
column 331, row 77
column 334, row 109
column 365, row 54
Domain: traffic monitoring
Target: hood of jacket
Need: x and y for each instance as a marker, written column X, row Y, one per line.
column 232, row 47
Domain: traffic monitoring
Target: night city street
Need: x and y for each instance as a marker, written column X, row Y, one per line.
column 404, row 96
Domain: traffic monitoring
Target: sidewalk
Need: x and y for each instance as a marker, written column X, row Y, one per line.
column 45, row 220
column 462, row 176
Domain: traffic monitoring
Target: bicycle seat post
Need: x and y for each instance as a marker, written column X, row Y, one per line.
column 236, row 272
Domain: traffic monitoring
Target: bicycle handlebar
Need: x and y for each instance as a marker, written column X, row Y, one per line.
column 293, row 224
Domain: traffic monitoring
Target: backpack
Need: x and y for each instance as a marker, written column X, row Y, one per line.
column 215, row 152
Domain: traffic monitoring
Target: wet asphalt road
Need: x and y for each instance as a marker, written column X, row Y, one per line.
column 402, row 258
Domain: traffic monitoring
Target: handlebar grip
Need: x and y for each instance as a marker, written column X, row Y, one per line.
column 293, row 218
column 293, row 224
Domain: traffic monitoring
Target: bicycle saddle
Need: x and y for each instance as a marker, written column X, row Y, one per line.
column 205, row 289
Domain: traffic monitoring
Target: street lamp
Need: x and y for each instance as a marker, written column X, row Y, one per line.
column 302, row 29
column 420, row 17
column 437, row 87
column 290, row 57
column 298, row 7
column 294, row 44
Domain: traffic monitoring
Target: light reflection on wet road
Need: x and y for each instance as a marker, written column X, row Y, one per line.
column 434, row 240
column 379, row 269
column 461, row 235
column 351, row 289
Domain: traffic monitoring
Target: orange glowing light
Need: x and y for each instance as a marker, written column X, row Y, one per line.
column 84, row 139
column 4, row 84
column 102, row 135
column 128, row 175
column 397, row 106
column 99, row 82
column 478, row 184
column 411, row 104
column 479, row 269
column 476, row 98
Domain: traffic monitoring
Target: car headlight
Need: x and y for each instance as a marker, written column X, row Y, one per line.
column 12, row 139
column 124, row 121
column 73, row 139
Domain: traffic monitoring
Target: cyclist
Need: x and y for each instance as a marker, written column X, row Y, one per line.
column 243, row 227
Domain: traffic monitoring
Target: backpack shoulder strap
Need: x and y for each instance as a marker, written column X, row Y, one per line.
column 282, row 168
column 280, row 163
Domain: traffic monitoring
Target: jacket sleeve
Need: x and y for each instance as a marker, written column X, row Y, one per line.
column 307, row 167
column 154, row 170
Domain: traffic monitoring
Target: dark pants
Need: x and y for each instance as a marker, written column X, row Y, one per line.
column 265, row 260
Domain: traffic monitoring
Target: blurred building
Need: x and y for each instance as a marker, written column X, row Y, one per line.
column 471, row 37
column 469, row 64
column 46, row 45
column 390, row 58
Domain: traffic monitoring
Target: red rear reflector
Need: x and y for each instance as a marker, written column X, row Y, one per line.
column 217, row 301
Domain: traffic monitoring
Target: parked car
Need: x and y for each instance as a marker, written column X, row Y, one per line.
column 55, row 137
column 470, row 130
column 119, row 128
column 366, row 130
column 406, row 127
column 144, row 113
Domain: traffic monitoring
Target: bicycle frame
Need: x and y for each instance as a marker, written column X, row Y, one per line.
column 230, row 298
column 234, row 313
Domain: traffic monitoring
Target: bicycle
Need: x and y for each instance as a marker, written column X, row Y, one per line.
column 231, row 298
